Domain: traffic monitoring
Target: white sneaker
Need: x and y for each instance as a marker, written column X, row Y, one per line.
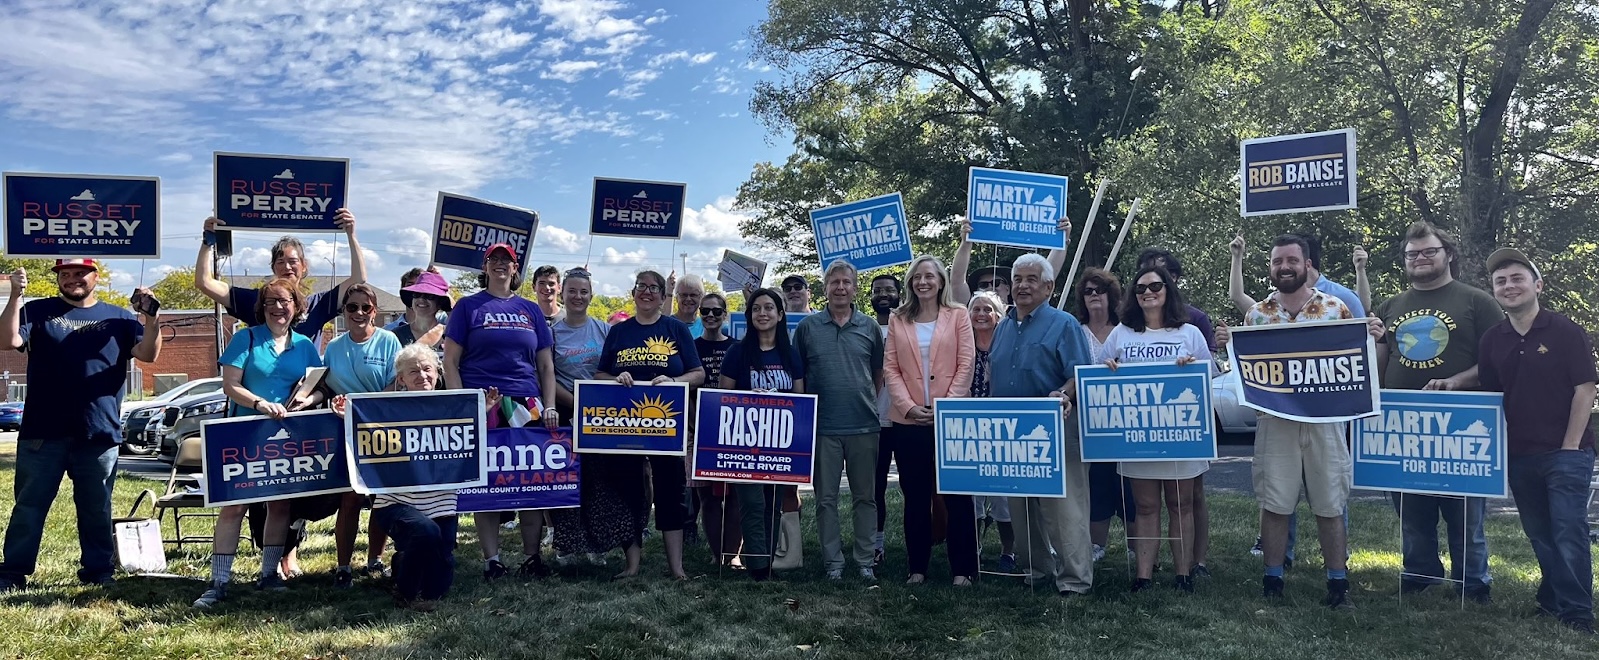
column 868, row 574
column 215, row 594
column 835, row 574
column 1099, row 552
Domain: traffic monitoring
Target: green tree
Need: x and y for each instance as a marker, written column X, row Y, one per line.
column 176, row 290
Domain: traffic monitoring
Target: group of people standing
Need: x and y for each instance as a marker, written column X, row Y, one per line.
column 936, row 333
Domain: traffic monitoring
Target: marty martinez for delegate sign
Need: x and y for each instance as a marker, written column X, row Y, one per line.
column 1006, row 446
column 1306, row 372
column 1437, row 443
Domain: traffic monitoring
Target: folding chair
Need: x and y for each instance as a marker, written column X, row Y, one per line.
column 178, row 496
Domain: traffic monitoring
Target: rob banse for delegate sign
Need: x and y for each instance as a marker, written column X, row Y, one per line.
column 402, row 442
column 465, row 227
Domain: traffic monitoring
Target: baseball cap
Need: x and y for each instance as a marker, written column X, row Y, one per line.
column 73, row 263
column 796, row 278
column 501, row 246
column 1504, row 256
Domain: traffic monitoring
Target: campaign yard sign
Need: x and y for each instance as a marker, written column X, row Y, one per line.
column 1000, row 446
column 871, row 233
column 257, row 458
column 280, row 193
column 738, row 270
column 637, row 209
column 642, row 419
column 737, row 324
column 1306, row 372
column 1153, row 411
column 754, row 437
column 1016, row 208
column 1434, row 443
column 464, row 228
column 530, row 468
column 406, row 442
column 65, row 216
column 1297, row 173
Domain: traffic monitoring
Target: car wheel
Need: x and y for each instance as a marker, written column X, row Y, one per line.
column 137, row 450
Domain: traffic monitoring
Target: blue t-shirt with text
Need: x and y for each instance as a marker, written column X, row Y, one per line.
column 766, row 372
column 366, row 366
column 77, row 369
column 500, row 339
column 663, row 348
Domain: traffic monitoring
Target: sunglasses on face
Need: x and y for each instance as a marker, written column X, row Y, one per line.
column 1152, row 287
column 352, row 308
column 712, row 311
column 793, row 287
column 1095, row 291
column 985, row 285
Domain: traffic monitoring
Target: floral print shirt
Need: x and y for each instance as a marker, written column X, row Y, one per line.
column 1320, row 307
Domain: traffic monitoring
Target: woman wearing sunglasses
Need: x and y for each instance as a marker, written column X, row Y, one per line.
column 1099, row 297
column 1154, row 328
column 717, row 507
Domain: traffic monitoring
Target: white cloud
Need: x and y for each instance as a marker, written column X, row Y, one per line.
column 411, row 242
column 558, row 239
column 694, row 59
column 581, row 21
column 714, row 223
column 569, row 70
column 657, row 115
column 614, row 257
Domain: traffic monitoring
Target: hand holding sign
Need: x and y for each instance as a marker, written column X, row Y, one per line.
column 1360, row 258
column 1374, row 326
column 345, row 220
column 19, row 281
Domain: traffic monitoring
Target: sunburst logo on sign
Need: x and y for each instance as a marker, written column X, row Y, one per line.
column 654, row 408
column 660, row 346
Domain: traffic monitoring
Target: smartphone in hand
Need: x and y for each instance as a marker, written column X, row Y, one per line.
column 145, row 304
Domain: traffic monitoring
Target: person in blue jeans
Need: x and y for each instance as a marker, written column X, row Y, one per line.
column 1543, row 363
column 78, row 351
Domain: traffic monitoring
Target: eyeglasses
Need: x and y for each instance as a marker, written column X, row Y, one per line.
column 1097, row 291
column 498, row 260
column 351, row 308
column 1152, row 287
column 646, row 288
column 277, row 302
column 292, row 263
column 1412, row 255
column 712, row 311
column 794, row 287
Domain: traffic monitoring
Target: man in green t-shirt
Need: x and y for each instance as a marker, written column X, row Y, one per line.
column 1434, row 330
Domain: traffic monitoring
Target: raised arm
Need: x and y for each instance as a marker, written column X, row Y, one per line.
column 1057, row 258
column 11, row 319
column 1235, row 278
column 205, row 279
column 1362, row 284
column 346, row 221
column 959, row 289
column 149, row 346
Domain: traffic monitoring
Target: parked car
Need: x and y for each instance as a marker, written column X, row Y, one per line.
column 1232, row 418
column 10, row 416
column 136, row 414
column 181, row 419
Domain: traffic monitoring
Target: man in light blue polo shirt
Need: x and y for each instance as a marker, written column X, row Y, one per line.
column 1035, row 353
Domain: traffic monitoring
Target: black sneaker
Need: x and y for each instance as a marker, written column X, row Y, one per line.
column 760, row 574
column 1288, row 563
column 376, row 569
column 13, row 583
column 1338, row 595
column 1583, row 626
column 1271, row 586
column 533, row 567
column 877, row 558
column 1184, row 583
column 342, row 578
column 1481, row 595
column 1199, row 571
column 494, row 570
column 1142, row 584
column 1408, row 587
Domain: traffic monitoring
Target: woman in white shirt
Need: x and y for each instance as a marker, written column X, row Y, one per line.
column 1154, row 328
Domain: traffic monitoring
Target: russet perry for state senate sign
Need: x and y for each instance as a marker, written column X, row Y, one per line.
column 63, row 216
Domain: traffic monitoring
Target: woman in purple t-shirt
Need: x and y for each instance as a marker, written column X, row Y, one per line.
column 498, row 340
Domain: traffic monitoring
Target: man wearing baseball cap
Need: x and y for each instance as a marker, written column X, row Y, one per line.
column 797, row 294
column 1543, row 363
column 78, row 350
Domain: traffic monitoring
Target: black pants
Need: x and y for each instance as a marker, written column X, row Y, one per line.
column 913, row 449
column 667, row 478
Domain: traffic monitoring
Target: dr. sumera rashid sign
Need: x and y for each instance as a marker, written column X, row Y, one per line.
column 405, row 442
column 1306, row 372
column 91, row 216
column 280, row 193
column 754, row 437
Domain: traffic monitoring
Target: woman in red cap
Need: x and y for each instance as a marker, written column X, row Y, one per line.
column 498, row 339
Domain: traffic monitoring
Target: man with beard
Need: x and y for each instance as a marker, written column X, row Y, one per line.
column 78, row 351
column 1292, row 456
column 1435, row 328
column 886, row 291
column 1543, row 363
column 1035, row 353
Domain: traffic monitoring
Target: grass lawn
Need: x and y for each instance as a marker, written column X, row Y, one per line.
column 582, row 614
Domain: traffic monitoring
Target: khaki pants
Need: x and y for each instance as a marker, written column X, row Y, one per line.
column 834, row 455
column 1060, row 524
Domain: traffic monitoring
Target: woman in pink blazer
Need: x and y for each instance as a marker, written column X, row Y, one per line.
column 928, row 356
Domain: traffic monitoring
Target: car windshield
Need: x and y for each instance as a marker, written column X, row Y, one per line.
column 179, row 391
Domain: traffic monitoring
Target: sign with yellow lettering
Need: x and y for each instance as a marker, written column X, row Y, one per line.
column 641, row 419
column 1307, row 372
column 405, row 442
column 1297, row 173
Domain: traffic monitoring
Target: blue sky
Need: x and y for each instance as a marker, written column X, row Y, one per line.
column 517, row 102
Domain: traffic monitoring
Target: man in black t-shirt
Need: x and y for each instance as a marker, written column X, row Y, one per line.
column 78, row 351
